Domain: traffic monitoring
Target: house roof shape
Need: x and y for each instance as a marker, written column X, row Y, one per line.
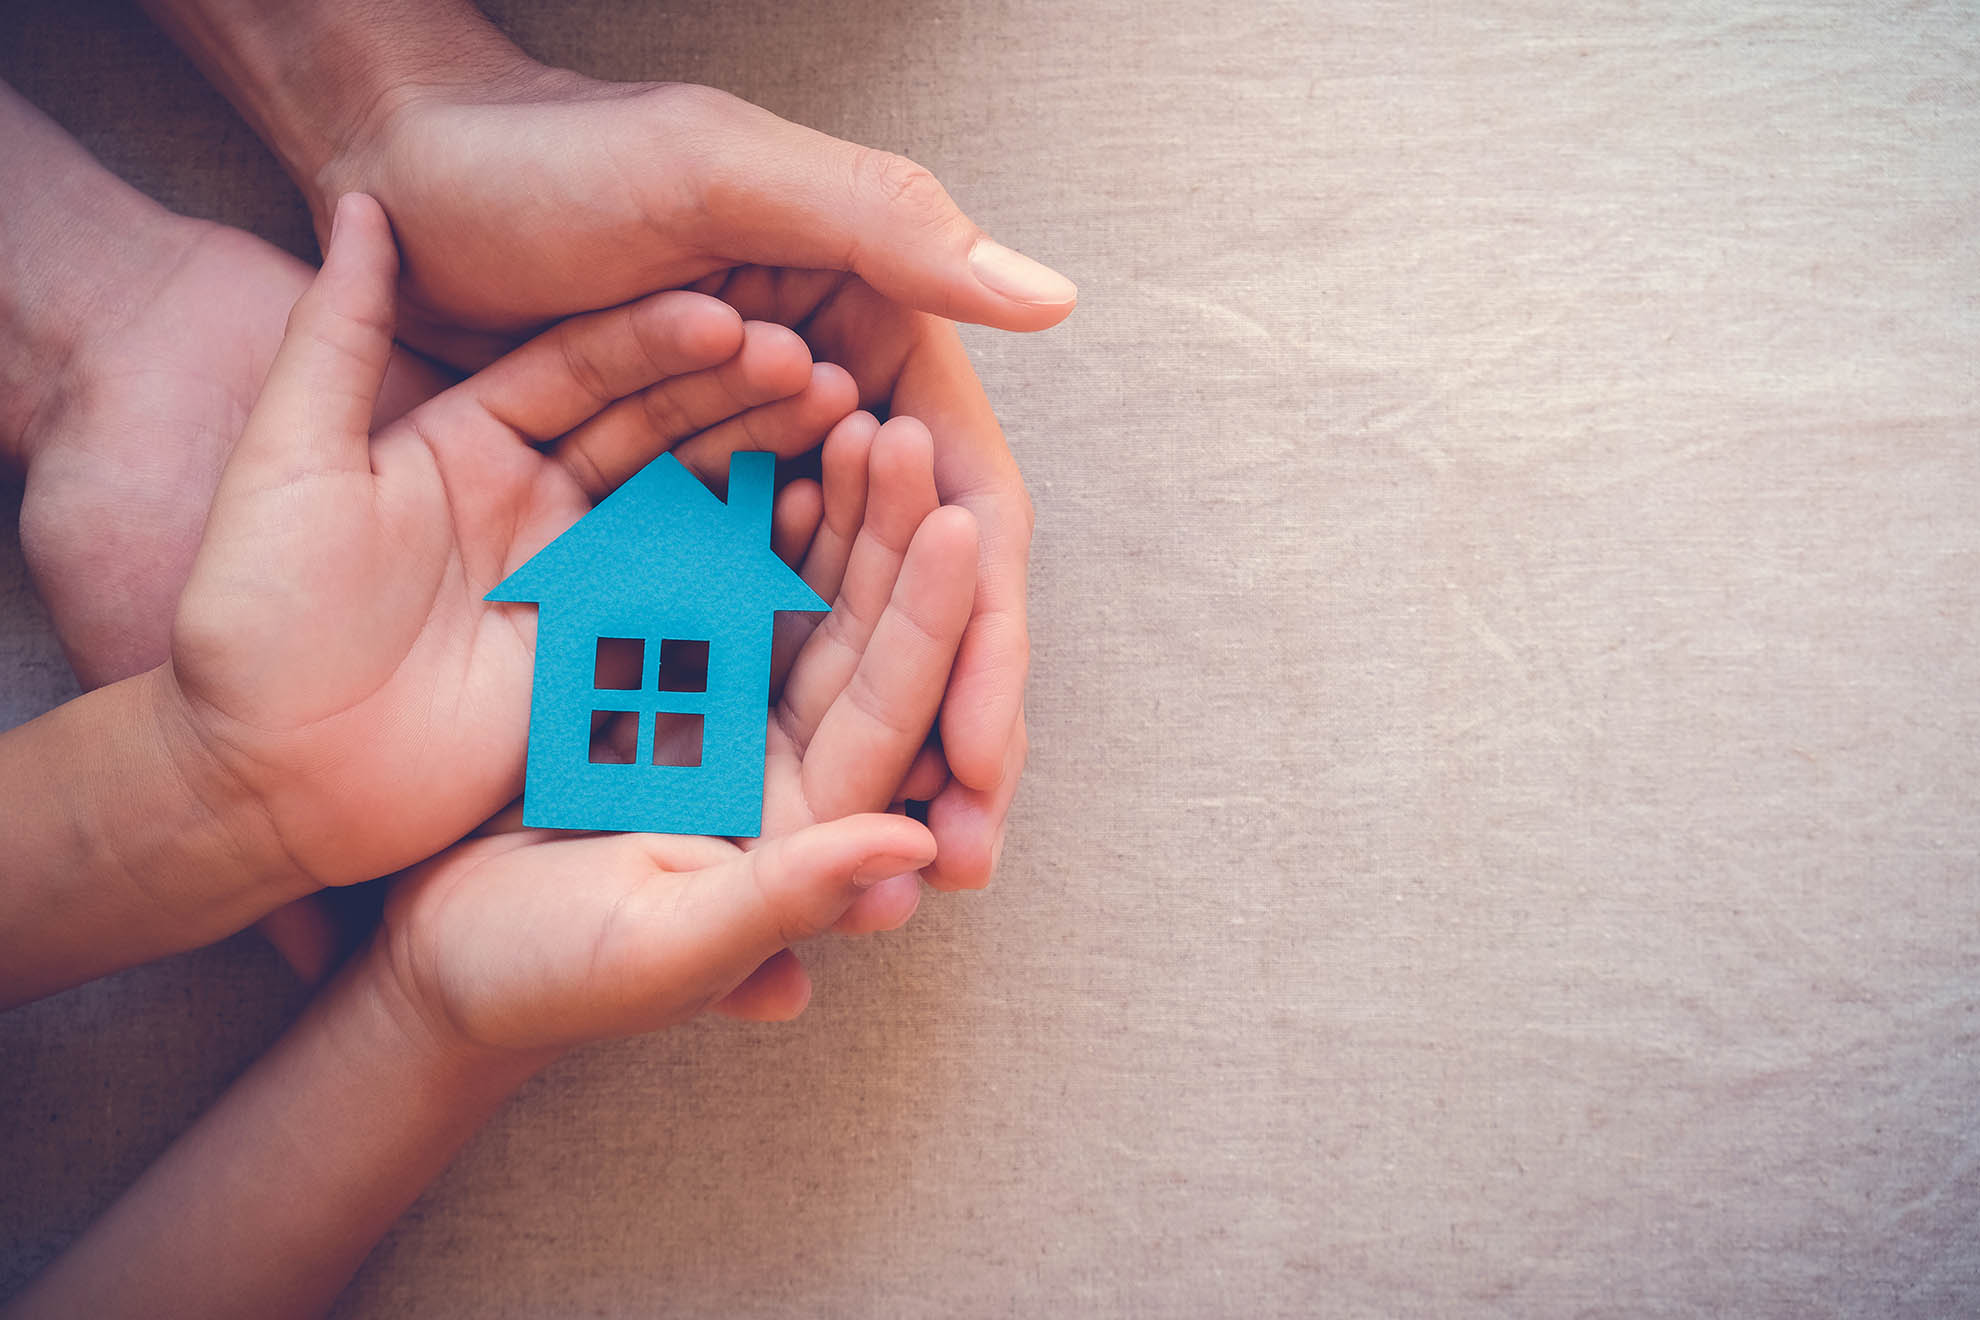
column 663, row 540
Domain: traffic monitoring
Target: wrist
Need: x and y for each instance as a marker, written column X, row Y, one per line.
column 381, row 994
column 218, row 825
column 122, row 842
column 319, row 82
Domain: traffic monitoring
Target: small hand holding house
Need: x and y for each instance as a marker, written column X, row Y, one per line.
column 664, row 563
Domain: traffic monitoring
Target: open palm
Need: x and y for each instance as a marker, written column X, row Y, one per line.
column 332, row 648
column 525, row 939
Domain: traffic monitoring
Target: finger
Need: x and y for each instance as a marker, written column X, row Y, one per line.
column 779, row 194
column 860, row 754
column 842, row 465
column 886, row 906
column 968, row 824
column 578, row 368
column 795, row 520
column 777, row 991
column 927, row 776
column 912, row 363
column 900, row 496
column 314, row 412
column 974, row 468
column 785, row 428
column 720, row 923
column 842, row 468
column 602, row 452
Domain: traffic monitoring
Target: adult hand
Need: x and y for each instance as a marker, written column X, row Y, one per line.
column 862, row 252
column 122, row 463
column 908, row 362
column 543, row 192
column 154, row 332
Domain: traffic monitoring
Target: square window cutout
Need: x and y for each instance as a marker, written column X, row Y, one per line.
column 614, row 737
column 620, row 664
column 677, row 739
column 683, row 666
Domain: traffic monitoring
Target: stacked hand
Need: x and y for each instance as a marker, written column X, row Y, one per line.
column 333, row 698
column 335, row 656
column 521, row 194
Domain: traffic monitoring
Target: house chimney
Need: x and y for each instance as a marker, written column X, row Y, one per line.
column 752, row 481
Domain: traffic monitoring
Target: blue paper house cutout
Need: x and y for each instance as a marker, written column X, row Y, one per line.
column 659, row 561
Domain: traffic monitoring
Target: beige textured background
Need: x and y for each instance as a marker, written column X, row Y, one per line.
column 1501, row 834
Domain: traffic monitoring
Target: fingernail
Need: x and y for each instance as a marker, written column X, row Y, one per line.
column 880, row 868
column 1017, row 276
column 997, row 852
column 336, row 220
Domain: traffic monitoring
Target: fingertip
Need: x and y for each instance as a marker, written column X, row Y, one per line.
column 360, row 269
column 927, row 775
column 903, row 435
column 799, row 510
column 706, row 330
column 968, row 855
column 1038, row 295
column 888, row 905
column 901, row 468
column 777, row 991
column 983, row 736
column 775, row 359
column 890, row 844
column 357, row 216
column 833, row 386
column 796, row 1001
column 360, row 260
column 951, row 531
column 968, row 824
column 976, row 737
column 851, row 436
column 814, row 875
column 842, row 465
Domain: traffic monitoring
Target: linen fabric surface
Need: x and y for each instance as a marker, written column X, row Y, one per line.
column 1500, row 835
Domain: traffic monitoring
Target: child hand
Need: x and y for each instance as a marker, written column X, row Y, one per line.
column 332, row 654
column 529, row 940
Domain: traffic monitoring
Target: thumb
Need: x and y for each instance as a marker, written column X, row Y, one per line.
column 732, row 917
column 314, row 413
column 776, row 193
